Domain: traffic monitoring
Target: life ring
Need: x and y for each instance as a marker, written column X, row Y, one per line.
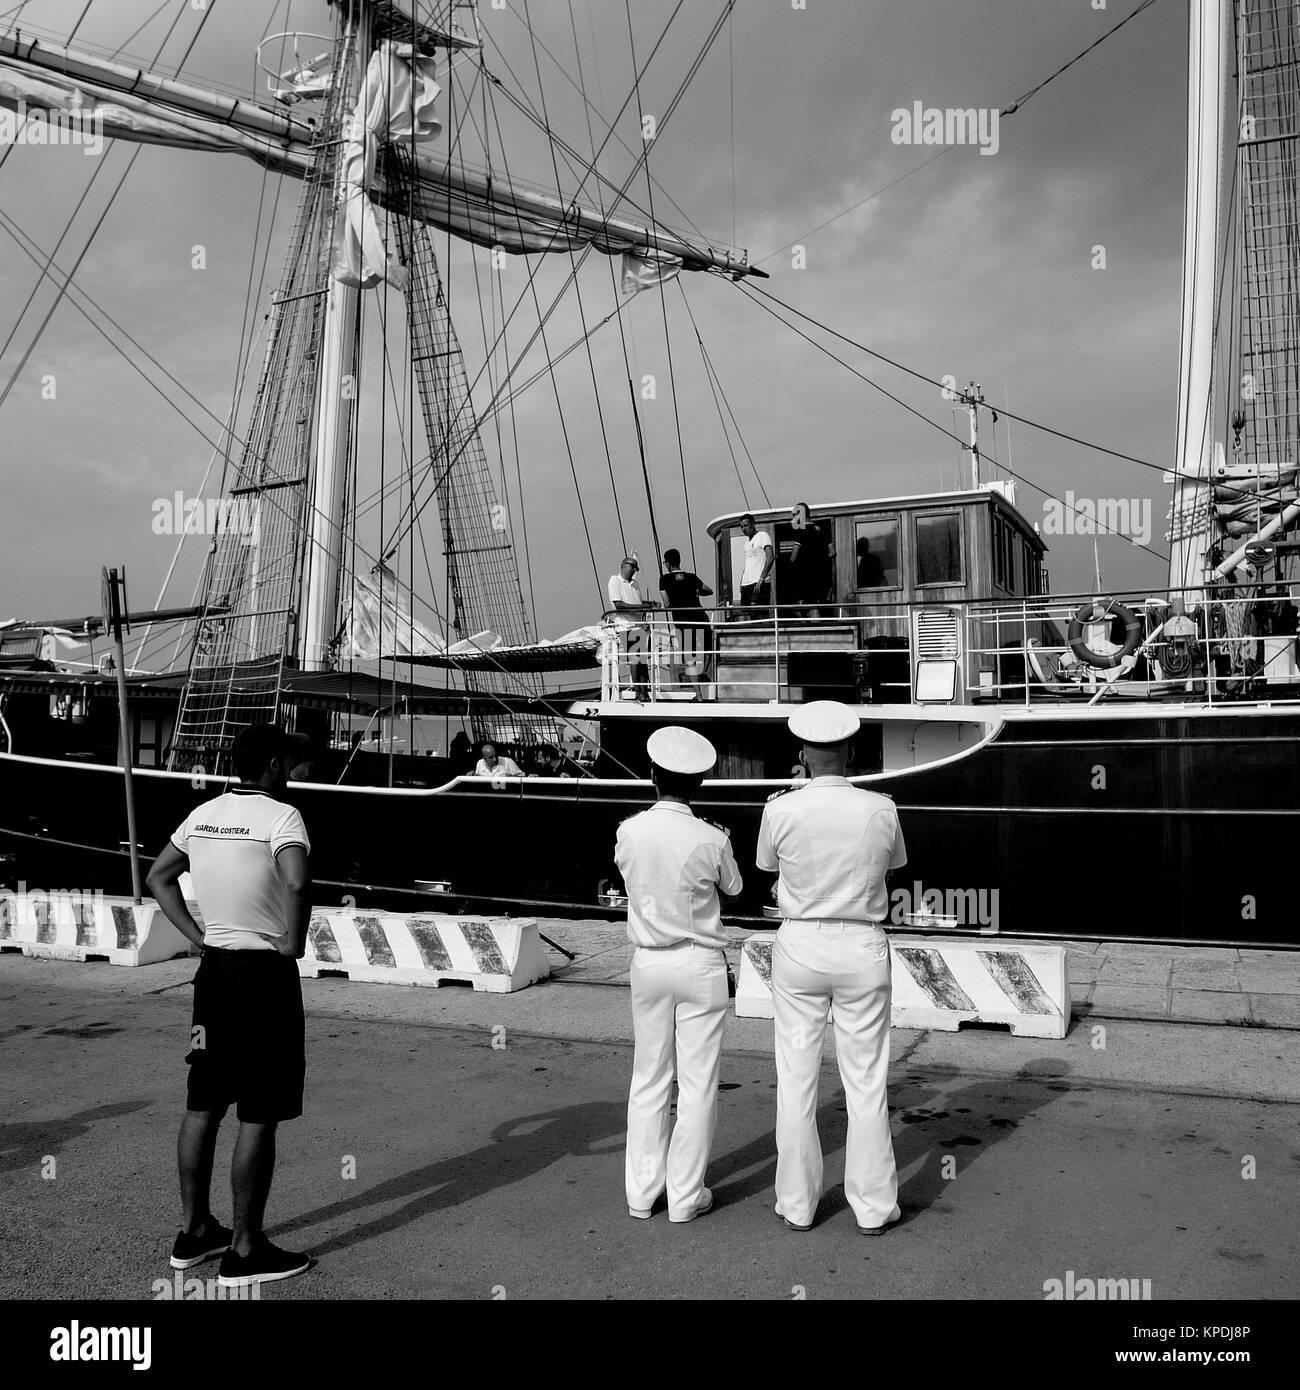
column 1095, row 613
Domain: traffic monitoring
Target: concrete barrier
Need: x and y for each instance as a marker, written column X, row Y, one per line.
column 498, row 954
column 87, row 926
column 943, row 983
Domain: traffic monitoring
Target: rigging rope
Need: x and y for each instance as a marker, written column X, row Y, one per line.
column 747, row 289
column 1009, row 110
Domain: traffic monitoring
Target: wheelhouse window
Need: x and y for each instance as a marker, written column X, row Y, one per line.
column 999, row 553
column 876, row 553
column 938, row 549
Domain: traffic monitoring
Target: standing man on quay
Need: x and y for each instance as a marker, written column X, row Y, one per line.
column 834, row 845
column 674, row 865
column 247, row 854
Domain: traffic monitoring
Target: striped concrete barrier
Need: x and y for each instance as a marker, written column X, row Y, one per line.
column 498, row 954
column 87, row 926
column 942, row 983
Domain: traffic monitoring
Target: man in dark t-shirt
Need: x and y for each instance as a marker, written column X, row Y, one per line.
column 810, row 568
column 682, row 592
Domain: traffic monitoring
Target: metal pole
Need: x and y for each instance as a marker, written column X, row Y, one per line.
column 974, row 399
column 113, row 581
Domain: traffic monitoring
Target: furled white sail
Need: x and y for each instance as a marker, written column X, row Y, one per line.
column 396, row 102
column 379, row 622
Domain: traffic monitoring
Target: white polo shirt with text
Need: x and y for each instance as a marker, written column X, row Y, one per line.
column 231, row 843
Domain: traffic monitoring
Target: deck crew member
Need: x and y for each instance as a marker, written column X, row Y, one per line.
column 682, row 593
column 833, row 845
column 489, row 765
column 756, row 577
column 625, row 598
column 247, row 854
column 674, row 865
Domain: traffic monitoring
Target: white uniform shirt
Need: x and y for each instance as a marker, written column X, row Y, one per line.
column 755, row 557
column 673, row 864
column 231, row 843
column 833, row 844
column 505, row 767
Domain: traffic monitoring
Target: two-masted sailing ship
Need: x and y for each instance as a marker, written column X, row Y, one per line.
column 1072, row 765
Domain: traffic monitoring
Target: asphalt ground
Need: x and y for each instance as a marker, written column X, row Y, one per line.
column 465, row 1145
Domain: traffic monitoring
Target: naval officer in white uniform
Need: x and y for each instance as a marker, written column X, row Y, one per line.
column 674, row 865
column 833, row 845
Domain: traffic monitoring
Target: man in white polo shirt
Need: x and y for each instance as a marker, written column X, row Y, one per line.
column 246, row 852
column 627, row 602
column 834, row 845
column 674, row 864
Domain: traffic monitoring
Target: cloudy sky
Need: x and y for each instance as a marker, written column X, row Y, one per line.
column 978, row 266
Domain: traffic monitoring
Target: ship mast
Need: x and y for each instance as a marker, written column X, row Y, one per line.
column 334, row 403
column 1191, row 519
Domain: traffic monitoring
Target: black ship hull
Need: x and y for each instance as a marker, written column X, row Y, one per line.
column 1167, row 825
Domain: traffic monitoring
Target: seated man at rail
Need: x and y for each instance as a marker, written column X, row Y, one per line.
column 490, row 765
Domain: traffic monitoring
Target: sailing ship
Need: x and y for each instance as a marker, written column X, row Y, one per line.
column 1071, row 765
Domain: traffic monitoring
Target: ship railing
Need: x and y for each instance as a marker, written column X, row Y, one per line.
column 1195, row 643
column 1199, row 643
column 785, row 652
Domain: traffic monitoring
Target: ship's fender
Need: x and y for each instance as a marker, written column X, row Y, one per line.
column 1096, row 613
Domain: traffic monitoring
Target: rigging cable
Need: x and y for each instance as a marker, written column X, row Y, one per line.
column 663, row 294
column 63, row 289
column 627, row 183
column 1009, row 110
column 926, row 419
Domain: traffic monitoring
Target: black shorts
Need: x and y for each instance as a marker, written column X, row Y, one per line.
column 247, row 1043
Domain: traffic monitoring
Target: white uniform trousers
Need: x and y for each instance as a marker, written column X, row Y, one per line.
column 679, row 1006
column 813, row 966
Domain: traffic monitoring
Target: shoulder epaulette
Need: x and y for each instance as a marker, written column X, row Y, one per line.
column 716, row 825
column 785, row 791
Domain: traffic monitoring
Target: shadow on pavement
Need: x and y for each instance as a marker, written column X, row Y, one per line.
column 519, row 1149
column 25, row 1143
column 931, row 1116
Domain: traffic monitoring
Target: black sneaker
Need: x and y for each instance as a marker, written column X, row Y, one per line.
column 262, row 1264
column 193, row 1250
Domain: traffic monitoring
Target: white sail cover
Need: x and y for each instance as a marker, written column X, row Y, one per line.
column 395, row 103
column 380, row 624
column 641, row 272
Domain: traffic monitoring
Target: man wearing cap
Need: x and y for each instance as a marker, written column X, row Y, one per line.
column 625, row 598
column 674, row 865
column 246, row 852
column 833, row 845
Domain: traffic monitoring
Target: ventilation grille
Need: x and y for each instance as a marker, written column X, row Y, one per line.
column 936, row 635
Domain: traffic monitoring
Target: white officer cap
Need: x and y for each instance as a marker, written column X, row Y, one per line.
column 824, row 721
column 680, row 750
